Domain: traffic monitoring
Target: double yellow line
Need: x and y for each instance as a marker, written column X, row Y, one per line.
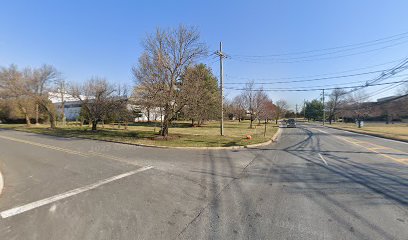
column 68, row 150
column 45, row 146
column 377, row 147
column 374, row 148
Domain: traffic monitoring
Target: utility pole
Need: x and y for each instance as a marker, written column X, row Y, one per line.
column 296, row 114
column 304, row 108
column 222, row 56
column 324, row 112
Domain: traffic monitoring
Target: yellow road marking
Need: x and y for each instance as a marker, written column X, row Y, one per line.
column 68, row 150
column 45, row 146
column 400, row 160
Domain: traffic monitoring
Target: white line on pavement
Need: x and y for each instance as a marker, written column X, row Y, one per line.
column 320, row 155
column 39, row 203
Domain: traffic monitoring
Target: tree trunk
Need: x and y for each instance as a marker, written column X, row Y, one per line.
column 148, row 115
column 252, row 119
column 165, row 124
column 37, row 114
column 94, row 124
column 28, row 122
column 27, row 117
column 192, row 122
column 52, row 121
column 265, row 128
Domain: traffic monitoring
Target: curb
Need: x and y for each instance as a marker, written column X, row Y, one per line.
column 273, row 139
column 1, row 183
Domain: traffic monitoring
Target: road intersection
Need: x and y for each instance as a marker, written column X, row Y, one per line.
column 314, row 183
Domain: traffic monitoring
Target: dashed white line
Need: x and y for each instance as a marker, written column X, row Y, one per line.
column 39, row 203
column 320, row 155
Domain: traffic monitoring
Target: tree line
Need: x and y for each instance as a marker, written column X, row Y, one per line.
column 169, row 79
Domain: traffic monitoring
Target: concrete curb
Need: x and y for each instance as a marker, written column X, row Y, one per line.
column 273, row 139
column 1, row 183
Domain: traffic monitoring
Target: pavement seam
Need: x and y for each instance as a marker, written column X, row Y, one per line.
column 39, row 203
column 218, row 194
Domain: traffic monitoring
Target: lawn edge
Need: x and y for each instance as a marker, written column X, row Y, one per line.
column 273, row 139
column 368, row 133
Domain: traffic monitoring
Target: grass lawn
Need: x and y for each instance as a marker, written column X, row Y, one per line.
column 181, row 134
column 397, row 131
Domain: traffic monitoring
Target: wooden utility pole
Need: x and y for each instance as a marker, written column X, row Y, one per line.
column 324, row 112
column 296, row 113
column 222, row 56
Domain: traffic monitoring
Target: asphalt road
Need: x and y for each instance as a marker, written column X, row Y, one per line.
column 314, row 183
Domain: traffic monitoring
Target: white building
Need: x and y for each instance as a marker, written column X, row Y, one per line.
column 72, row 108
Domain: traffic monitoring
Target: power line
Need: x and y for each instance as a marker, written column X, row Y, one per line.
column 326, row 85
column 319, row 75
column 386, row 74
column 318, row 89
column 318, row 79
column 309, row 59
column 404, row 34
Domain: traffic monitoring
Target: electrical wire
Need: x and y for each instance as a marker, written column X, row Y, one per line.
column 315, row 89
column 376, row 41
column 307, row 59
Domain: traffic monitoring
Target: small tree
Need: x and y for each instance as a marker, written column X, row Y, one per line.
column 336, row 99
column 280, row 109
column 238, row 107
column 248, row 97
column 97, row 98
column 167, row 53
column 200, row 92
column 314, row 110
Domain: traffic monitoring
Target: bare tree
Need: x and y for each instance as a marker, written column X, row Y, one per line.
column 97, row 98
column 61, row 86
column 261, row 99
column 40, row 80
column 356, row 105
column 336, row 99
column 280, row 110
column 248, row 96
column 166, row 54
column 14, row 88
column 145, row 100
column 238, row 107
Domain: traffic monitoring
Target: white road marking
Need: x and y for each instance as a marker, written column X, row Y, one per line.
column 319, row 130
column 39, row 203
column 320, row 155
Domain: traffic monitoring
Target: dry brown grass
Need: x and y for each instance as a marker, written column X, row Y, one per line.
column 398, row 131
column 181, row 133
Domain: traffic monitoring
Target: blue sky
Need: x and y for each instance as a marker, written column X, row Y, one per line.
column 103, row 38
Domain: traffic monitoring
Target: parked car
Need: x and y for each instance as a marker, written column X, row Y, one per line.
column 291, row 123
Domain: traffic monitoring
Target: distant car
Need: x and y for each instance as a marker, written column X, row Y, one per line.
column 291, row 123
